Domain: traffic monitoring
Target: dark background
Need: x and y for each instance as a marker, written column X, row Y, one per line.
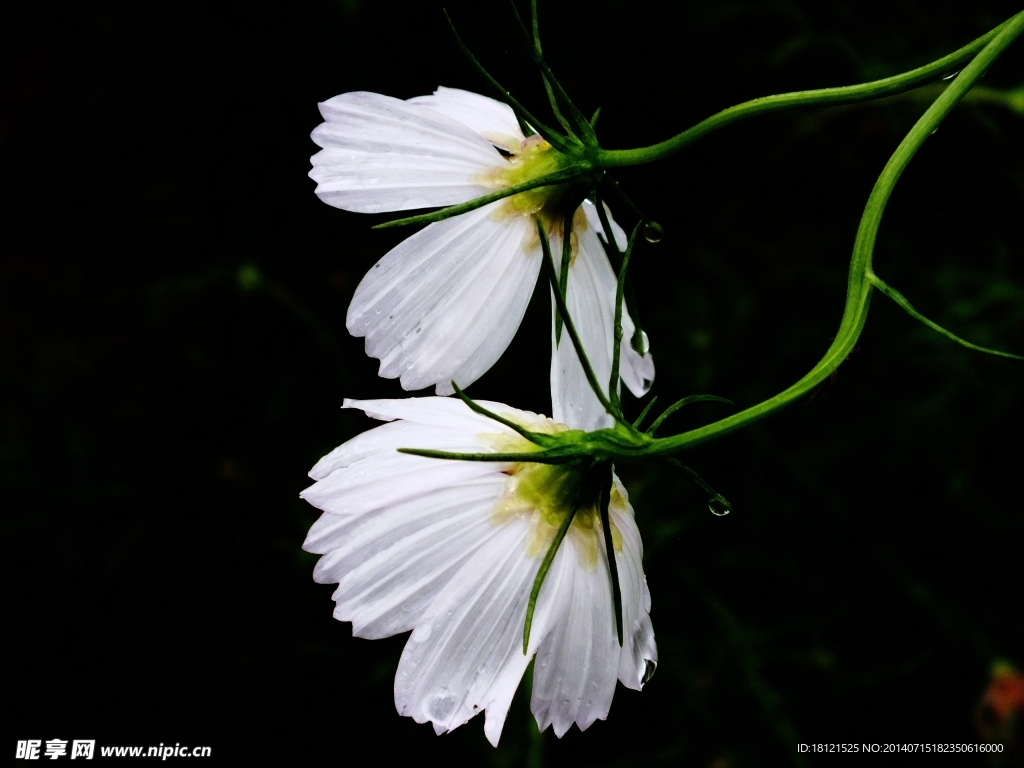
column 173, row 357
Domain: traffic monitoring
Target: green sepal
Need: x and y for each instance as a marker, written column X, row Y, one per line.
column 609, row 545
column 613, row 384
column 551, row 84
column 535, row 458
column 682, row 403
column 644, row 412
column 556, row 177
column 533, row 437
column 611, row 248
column 555, row 139
column 542, row 572
column 564, row 312
column 563, row 274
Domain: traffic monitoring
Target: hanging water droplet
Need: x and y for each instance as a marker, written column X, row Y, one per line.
column 649, row 667
column 718, row 508
column 653, row 232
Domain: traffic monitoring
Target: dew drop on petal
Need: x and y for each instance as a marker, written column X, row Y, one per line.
column 649, row 667
column 442, row 705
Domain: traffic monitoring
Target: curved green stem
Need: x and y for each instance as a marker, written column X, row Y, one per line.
column 859, row 285
column 610, row 158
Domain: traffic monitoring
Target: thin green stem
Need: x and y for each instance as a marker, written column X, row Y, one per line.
column 900, row 299
column 609, row 546
column 547, row 180
column 644, row 412
column 535, row 458
column 477, row 408
column 820, row 98
column 563, row 310
column 563, row 273
column 614, row 255
column 555, row 139
column 538, row 581
column 682, row 404
column 858, row 292
column 556, row 93
column 533, row 42
column 613, row 384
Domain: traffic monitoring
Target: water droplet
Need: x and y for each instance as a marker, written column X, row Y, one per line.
column 718, row 508
column 653, row 232
column 951, row 75
column 934, row 132
column 649, row 667
column 442, row 706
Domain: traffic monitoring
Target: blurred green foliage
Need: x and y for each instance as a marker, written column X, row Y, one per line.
column 174, row 354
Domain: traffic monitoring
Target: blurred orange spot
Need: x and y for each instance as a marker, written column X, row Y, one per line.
column 1005, row 694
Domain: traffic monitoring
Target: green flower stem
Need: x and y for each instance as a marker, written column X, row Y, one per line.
column 611, row 158
column 859, row 285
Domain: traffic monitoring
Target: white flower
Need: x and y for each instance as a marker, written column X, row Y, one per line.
column 449, row 549
column 445, row 303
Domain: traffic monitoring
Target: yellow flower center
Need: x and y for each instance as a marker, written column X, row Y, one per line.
column 545, row 493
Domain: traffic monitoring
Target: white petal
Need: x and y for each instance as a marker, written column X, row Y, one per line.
column 466, row 656
column 384, row 154
column 389, row 438
column 387, row 478
column 635, row 371
column 591, row 302
column 590, row 299
column 639, row 655
column 488, row 118
column 444, row 412
column 389, row 565
column 445, row 303
column 577, row 664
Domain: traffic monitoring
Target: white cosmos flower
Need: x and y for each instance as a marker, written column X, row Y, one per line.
column 445, row 303
column 450, row 549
